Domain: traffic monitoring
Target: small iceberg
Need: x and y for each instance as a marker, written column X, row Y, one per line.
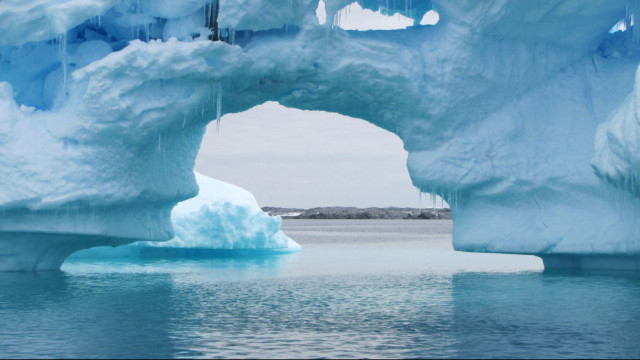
column 223, row 220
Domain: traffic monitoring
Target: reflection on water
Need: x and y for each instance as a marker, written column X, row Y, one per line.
column 61, row 315
column 346, row 298
column 550, row 314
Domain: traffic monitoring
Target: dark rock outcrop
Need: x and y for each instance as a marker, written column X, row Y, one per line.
column 339, row 212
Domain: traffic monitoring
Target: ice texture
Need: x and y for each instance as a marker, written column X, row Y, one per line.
column 520, row 114
column 222, row 217
column 617, row 146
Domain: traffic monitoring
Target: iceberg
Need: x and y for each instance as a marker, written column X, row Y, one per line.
column 222, row 217
column 521, row 110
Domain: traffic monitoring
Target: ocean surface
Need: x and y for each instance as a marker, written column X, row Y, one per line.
column 359, row 288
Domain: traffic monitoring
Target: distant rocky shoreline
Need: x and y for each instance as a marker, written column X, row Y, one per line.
column 339, row 212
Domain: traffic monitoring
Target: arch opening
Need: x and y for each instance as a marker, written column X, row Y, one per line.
column 431, row 17
column 355, row 17
column 306, row 159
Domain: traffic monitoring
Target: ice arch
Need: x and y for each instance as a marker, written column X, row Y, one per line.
column 104, row 105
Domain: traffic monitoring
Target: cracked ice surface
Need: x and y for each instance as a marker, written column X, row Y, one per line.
column 105, row 103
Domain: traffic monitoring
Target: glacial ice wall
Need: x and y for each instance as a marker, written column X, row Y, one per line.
column 617, row 147
column 105, row 102
column 222, row 217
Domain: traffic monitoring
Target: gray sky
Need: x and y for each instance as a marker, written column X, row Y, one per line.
column 293, row 158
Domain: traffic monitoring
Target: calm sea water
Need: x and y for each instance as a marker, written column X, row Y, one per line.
column 360, row 288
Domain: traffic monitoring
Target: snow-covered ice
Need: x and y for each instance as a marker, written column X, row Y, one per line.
column 520, row 114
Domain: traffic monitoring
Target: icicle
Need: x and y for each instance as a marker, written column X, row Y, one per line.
column 218, row 106
column 184, row 121
column 138, row 18
column 147, row 28
column 336, row 18
column 159, row 142
column 204, row 12
column 62, row 47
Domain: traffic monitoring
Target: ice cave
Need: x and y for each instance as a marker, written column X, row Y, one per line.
column 524, row 116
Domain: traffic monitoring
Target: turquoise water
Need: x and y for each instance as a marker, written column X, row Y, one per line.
column 358, row 289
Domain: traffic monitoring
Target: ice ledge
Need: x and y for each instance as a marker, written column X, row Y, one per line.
column 629, row 262
column 141, row 221
column 32, row 251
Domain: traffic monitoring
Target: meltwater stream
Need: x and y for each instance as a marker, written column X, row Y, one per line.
column 359, row 288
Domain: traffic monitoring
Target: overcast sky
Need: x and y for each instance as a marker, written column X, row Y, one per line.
column 294, row 158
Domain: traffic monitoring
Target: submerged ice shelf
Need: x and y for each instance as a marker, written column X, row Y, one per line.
column 519, row 109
